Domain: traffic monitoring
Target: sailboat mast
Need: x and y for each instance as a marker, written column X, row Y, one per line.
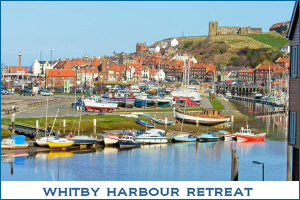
column 54, row 121
column 46, row 123
column 80, row 116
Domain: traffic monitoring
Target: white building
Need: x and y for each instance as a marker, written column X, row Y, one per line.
column 145, row 74
column 183, row 56
column 174, row 42
column 286, row 48
column 40, row 67
column 154, row 48
column 159, row 75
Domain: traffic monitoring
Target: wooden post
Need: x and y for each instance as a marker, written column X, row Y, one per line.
column 64, row 126
column 13, row 124
column 37, row 129
column 95, row 127
column 234, row 166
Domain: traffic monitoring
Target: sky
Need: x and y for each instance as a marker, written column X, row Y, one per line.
column 73, row 29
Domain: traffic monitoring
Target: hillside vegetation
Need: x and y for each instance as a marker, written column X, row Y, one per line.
column 238, row 50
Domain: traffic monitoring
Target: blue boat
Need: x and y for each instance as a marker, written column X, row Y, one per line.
column 140, row 102
column 128, row 141
column 210, row 136
column 185, row 138
column 144, row 123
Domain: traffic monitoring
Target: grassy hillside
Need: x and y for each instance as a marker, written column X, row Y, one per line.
column 244, row 50
column 269, row 39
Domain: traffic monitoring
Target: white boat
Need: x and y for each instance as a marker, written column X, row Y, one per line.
column 100, row 105
column 208, row 117
column 43, row 141
column 112, row 139
column 187, row 93
column 14, row 142
column 153, row 136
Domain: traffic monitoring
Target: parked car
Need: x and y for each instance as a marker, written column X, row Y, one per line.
column 10, row 92
column 46, row 93
column 4, row 92
column 26, row 92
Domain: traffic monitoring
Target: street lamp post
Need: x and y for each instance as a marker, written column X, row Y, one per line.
column 263, row 168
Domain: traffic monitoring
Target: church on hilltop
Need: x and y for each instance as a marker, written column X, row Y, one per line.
column 215, row 29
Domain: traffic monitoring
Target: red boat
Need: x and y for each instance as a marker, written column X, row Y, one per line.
column 247, row 135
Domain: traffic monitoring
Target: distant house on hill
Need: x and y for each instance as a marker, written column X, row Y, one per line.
column 282, row 27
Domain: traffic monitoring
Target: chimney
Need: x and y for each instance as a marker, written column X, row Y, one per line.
column 20, row 59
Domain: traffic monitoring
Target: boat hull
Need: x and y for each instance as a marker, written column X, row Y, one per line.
column 153, row 140
column 258, row 137
column 201, row 120
column 181, row 139
column 144, row 123
column 60, row 144
column 110, row 141
column 160, row 121
column 84, row 141
column 208, row 139
column 15, row 146
column 129, row 144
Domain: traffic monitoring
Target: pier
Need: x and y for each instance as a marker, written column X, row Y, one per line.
column 253, row 100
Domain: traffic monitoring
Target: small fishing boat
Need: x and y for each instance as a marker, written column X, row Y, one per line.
column 208, row 117
column 128, row 141
column 226, row 135
column 161, row 121
column 83, row 140
column 14, row 142
column 60, row 143
column 185, row 138
column 246, row 134
column 210, row 136
column 43, row 141
column 144, row 123
column 152, row 136
column 112, row 139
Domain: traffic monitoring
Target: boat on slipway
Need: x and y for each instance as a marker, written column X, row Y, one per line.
column 100, row 104
column 161, row 121
column 144, row 123
column 43, row 141
column 208, row 117
column 185, row 138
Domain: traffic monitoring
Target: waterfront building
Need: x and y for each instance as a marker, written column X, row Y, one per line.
column 57, row 77
column 246, row 75
column 293, row 128
column 262, row 72
column 40, row 67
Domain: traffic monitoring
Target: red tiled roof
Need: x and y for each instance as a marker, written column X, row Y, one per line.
column 247, row 71
column 271, row 67
column 61, row 72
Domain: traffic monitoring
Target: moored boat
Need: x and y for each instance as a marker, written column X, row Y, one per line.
column 152, row 136
column 245, row 134
column 100, row 105
column 128, row 141
column 210, row 136
column 60, row 143
column 208, row 117
column 43, row 141
column 185, row 138
column 83, row 140
column 112, row 139
column 14, row 142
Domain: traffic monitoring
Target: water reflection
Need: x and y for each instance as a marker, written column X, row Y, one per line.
column 176, row 162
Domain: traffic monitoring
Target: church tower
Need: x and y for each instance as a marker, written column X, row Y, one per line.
column 213, row 26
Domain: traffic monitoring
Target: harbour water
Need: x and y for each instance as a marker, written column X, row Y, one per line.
column 169, row 162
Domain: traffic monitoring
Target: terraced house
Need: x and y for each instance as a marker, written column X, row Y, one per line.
column 293, row 129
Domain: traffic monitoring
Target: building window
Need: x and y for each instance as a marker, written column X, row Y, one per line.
column 292, row 131
column 294, row 62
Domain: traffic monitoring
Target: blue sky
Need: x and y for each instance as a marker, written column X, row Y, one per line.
column 73, row 29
